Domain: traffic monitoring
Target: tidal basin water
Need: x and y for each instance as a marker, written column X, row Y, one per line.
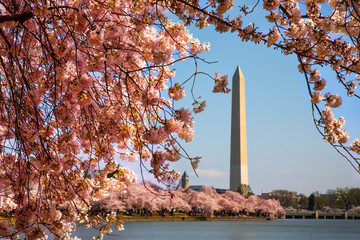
column 236, row 230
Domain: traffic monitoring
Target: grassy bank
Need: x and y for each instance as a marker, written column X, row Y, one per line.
column 178, row 217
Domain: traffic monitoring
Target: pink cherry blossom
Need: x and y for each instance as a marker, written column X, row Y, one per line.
column 200, row 107
column 319, row 85
column 85, row 84
column 221, row 83
column 317, row 97
column 355, row 146
column 271, row 4
column 333, row 101
column 177, row 92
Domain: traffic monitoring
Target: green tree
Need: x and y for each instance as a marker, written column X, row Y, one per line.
column 348, row 197
column 339, row 203
column 285, row 197
column 245, row 190
column 354, row 197
column 321, row 202
column 332, row 198
column 303, row 202
column 343, row 194
column 311, row 205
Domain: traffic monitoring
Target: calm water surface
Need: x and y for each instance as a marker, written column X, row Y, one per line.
column 240, row 230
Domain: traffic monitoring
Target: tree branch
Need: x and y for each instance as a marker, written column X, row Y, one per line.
column 22, row 17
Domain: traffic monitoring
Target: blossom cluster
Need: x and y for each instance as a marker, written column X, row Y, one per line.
column 333, row 131
column 321, row 36
column 221, row 83
column 84, row 84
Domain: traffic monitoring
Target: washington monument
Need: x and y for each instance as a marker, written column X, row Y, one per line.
column 238, row 151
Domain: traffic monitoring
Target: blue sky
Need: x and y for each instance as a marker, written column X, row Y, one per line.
column 285, row 151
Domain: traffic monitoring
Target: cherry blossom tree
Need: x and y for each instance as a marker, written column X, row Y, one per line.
column 270, row 207
column 235, row 198
column 84, row 82
column 180, row 201
column 204, row 202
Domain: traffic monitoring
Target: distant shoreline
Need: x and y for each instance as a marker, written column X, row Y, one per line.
column 183, row 217
column 322, row 215
column 192, row 218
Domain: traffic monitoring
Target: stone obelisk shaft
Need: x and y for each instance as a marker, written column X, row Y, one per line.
column 238, row 151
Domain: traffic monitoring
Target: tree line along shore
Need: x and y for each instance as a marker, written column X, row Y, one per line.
column 147, row 201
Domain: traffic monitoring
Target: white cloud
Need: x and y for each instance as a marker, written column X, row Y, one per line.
column 284, row 172
column 211, row 173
